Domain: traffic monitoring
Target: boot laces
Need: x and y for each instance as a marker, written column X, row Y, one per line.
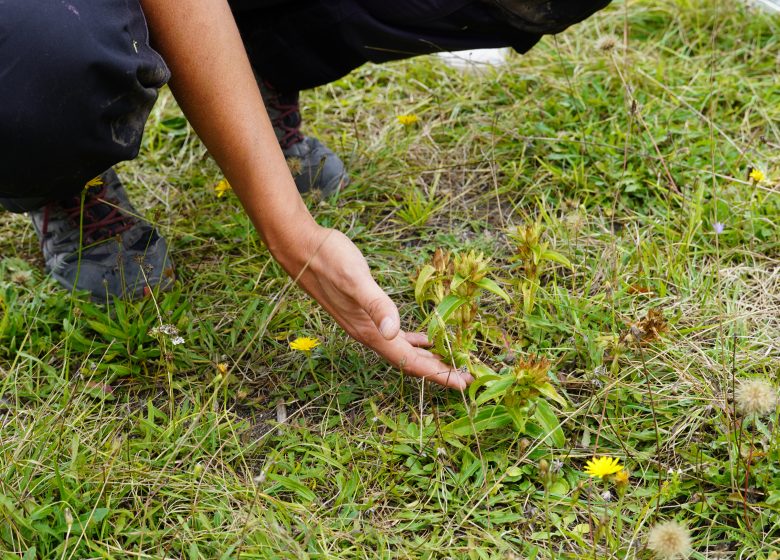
column 287, row 117
column 102, row 216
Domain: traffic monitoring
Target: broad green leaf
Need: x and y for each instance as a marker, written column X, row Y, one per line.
column 519, row 417
column 489, row 418
column 457, row 280
column 107, row 330
column 479, row 382
column 549, row 424
column 490, row 285
column 293, row 486
column 557, row 257
column 478, row 369
column 496, row 389
column 549, row 391
column 448, row 306
column 426, row 273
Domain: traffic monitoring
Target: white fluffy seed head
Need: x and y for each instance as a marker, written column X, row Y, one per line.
column 607, row 43
column 669, row 540
column 756, row 396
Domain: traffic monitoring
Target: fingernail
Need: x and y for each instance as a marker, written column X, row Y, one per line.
column 386, row 327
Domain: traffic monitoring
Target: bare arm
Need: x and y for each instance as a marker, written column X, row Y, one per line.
column 215, row 86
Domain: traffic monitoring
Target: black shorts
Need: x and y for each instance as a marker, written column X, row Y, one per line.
column 78, row 77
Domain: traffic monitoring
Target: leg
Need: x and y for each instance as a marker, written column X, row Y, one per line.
column 299, row 44
column 79, row 80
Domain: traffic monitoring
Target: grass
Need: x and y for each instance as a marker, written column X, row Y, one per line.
column 116, row 443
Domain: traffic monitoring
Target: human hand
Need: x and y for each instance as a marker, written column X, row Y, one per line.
column 235, row 127
column 334, row 272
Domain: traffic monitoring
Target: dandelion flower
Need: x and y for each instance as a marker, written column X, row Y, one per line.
column 221, row 188
column 669, row 540
column 756, row 396
column 621, row 477
column 603, row 466
column 757, row 175
column 408, row 120
column 96, row 182
column 222, row 368
column 304, row 344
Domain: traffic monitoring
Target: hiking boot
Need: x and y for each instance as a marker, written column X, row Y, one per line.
column 313, row 166
column 108, row 249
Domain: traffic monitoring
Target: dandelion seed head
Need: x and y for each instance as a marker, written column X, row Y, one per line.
column 669, row 540
column 756, row 396
column 607, row 43
column 21, row 276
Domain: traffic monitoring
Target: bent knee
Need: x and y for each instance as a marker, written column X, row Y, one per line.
column 79, row 80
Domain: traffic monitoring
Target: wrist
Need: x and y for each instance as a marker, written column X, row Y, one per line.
column 294, row 242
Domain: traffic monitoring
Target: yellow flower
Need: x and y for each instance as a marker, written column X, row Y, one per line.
column 408, row 120
column 221, row 188
column 757, row 175
column 222, row 368
column 621, row 477
column 96, row 182
column 603, row 466
column 304, row 344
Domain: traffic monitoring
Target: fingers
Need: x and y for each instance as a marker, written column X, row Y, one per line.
column 431, row 368
column 379, row 307
column 417, row 339
column 418, row 362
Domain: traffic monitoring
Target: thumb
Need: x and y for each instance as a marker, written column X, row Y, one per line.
column 380, row 308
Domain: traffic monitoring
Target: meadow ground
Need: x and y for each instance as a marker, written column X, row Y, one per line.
column 654, row 292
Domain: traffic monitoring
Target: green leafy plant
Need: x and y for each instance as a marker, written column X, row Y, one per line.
column 533, row 255
column 454, row 285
